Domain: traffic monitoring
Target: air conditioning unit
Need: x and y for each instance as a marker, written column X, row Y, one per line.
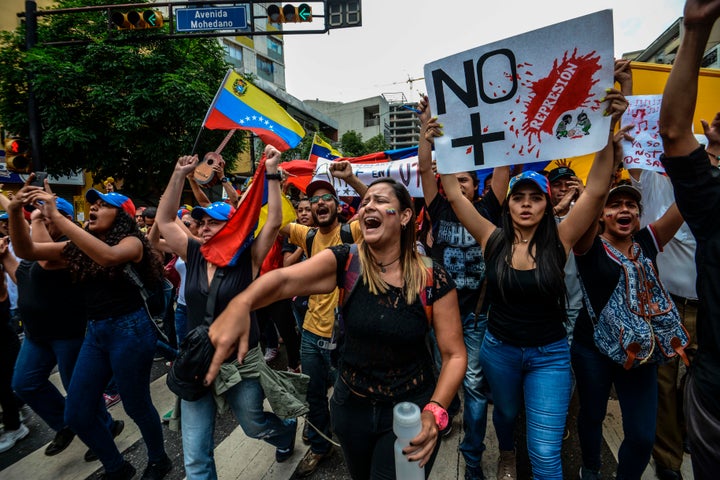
column 711, row 59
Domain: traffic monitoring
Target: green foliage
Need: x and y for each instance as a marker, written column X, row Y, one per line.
column 377, row 144
column 126, row 110
column 351, row 144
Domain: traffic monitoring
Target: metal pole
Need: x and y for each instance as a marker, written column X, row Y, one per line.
column 33, row 111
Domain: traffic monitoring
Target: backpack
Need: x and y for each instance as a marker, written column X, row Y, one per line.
column 639, row 324
column 350, row 281
column 346, row 236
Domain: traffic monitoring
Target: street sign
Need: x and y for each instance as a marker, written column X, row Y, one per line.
column 199, row 19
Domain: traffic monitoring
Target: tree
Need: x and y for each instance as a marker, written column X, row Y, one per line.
column 352, row 145
column 377, row 144
column 126, row 110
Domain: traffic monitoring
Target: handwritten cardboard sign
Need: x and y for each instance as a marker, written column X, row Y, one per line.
column 531, row 97
column 645, row 149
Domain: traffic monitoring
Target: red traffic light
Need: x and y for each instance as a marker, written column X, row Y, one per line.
column 17, row 155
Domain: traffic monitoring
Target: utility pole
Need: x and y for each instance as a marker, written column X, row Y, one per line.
column 33, row 111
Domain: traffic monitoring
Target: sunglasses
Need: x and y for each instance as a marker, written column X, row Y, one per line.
column 187, row 224
column 326, row 197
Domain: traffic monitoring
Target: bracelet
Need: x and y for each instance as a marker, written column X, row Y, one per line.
column 224, row 179
column 438, row 411
column 273, row 176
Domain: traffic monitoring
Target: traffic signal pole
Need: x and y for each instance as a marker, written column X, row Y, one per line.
column 33, row 111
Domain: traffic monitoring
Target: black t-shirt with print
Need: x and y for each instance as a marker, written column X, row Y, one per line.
column 456, row 250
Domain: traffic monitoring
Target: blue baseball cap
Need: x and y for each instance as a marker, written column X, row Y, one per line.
column 4, row 216
column 218, row 210
column 64, row 207
column 529, row 177
column 112, row 198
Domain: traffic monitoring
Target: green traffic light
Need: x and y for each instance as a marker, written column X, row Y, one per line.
column 304, row 12
column 150, row 17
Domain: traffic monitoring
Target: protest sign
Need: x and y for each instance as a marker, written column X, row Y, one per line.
column 404, row 171
column 646, row 147
column 536, row 96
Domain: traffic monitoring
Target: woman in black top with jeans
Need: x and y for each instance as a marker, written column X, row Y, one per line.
column 384, row 359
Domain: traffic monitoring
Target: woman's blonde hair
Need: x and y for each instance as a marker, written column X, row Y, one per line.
column 414, row 271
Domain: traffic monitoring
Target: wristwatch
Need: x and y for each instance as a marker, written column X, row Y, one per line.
column 273, row 176
column 224, row 179
column 441, row 416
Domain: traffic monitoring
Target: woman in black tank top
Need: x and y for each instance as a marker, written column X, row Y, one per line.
column 525, row 352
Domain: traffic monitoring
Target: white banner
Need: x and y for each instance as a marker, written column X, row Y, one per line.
column 527, row 98
column 404, row 171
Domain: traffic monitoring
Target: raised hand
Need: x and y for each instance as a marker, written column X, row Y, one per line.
column 186, row 164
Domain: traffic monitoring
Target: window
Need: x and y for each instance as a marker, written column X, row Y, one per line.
column 265, row 69
column 274, row 48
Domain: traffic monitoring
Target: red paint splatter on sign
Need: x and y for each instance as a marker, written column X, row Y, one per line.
column 469, row 150
column 567, row 87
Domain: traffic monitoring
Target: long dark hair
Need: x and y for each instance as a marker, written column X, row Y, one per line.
column 549, row 254
column 84, row 268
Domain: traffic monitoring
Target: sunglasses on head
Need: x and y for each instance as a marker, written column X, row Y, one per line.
column 326, row 197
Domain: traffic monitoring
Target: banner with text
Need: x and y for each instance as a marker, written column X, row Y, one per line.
column 535, row 96
column 404, row 171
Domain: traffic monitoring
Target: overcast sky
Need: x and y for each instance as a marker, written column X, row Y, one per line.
column 398, row 37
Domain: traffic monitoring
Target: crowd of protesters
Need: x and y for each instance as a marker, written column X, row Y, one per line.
column 386, row 299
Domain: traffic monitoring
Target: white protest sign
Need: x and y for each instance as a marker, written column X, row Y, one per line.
column 404, row 171
column 532, row 97
column 645, row 149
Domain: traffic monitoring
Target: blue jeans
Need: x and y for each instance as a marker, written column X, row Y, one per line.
column 636, row 390
column 315, row 362
column 121, row 347
column 542, row 376
column 31, row 379
column 181, row 325
column 246, row 401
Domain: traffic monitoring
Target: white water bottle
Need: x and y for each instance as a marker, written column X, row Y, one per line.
column 406, row 426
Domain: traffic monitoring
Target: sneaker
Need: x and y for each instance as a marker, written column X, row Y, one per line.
column 282, row 454
column 111, row 400
column 270, row 354
column 9, row 438
column 157, row 470
column 587, row 474
column 117, row 428
column 310, row 462
column 166, row 418
column 507, row 469
column 474, row 473
column 62, row 440
column 126, row 472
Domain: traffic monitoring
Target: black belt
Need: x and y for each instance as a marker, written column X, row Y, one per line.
column 688, row 302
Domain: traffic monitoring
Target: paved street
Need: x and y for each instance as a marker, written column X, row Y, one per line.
column 239, row 457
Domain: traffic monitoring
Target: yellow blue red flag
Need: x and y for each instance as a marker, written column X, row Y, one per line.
column 321, row 149
column 240, row 105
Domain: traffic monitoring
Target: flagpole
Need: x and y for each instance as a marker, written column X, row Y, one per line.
column 197, row 139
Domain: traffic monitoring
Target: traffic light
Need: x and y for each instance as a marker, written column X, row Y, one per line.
column 17, row 155
column 289, row 13
column 137, row 20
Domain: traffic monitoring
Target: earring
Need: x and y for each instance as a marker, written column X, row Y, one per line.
column 404, row 226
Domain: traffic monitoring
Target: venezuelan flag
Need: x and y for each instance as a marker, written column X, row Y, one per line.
column 225, row 247
column 321, row 149
column 240, row 105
